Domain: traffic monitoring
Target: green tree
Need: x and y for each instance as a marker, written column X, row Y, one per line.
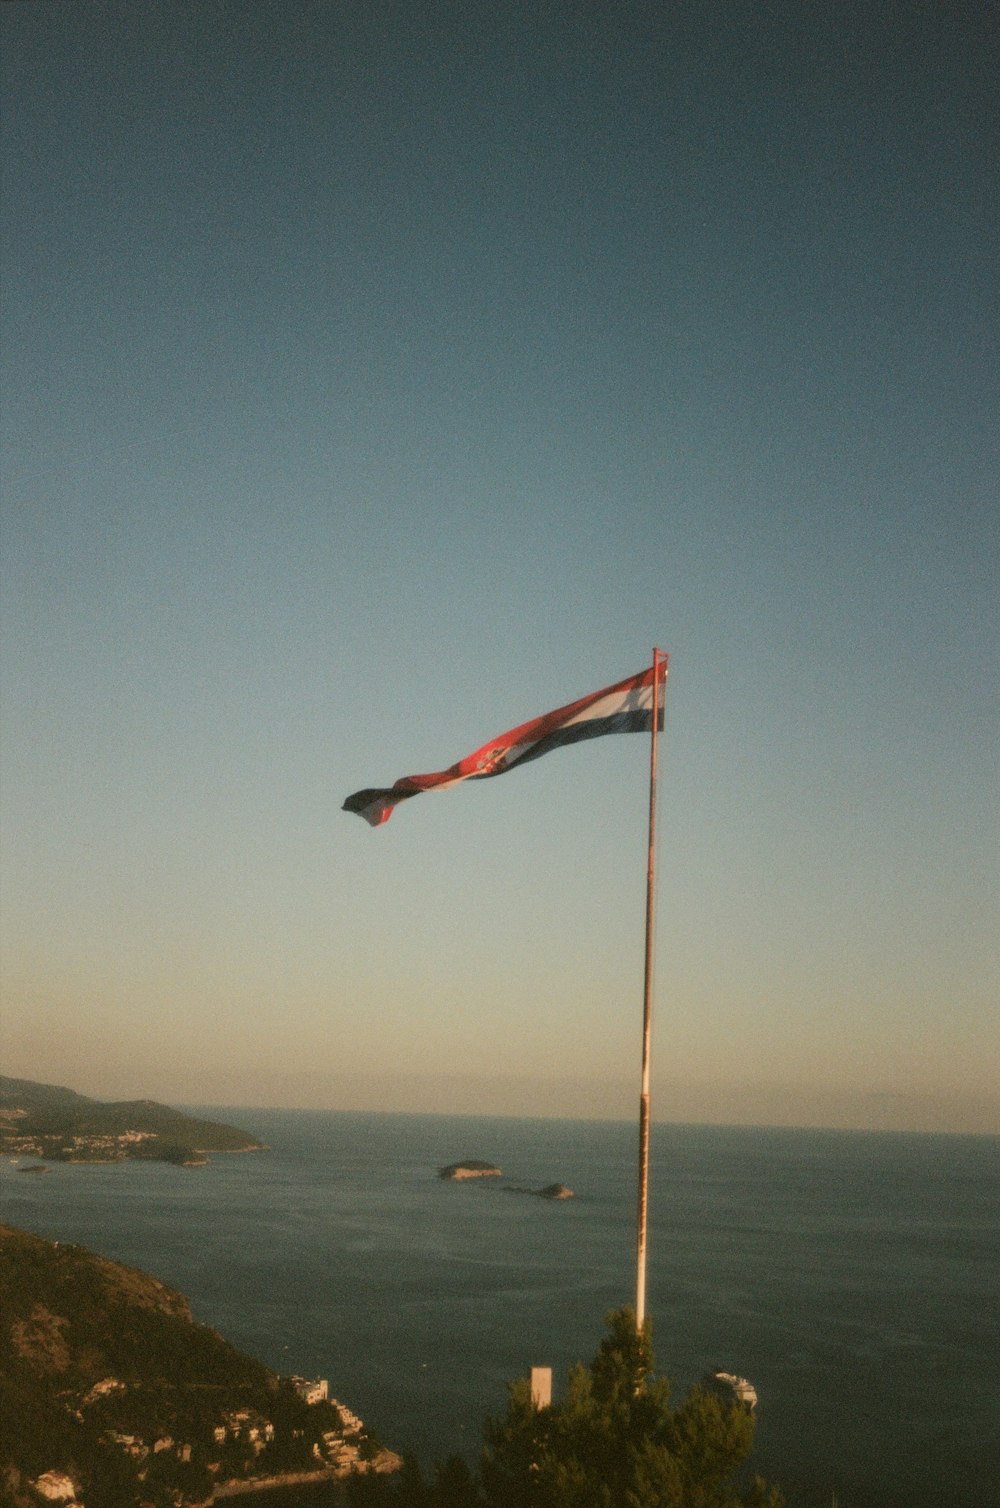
column 614, row 1441
column 454, row 1485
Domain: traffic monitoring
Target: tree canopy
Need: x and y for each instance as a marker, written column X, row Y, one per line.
column 612, row 1441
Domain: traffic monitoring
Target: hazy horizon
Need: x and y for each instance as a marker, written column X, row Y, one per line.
column 777, row 1106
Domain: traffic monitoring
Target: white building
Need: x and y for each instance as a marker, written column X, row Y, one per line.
column 349, row 1423
column 56, row 1488
column 311, row 1390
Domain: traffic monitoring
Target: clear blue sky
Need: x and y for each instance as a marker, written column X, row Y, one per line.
column 377, row 376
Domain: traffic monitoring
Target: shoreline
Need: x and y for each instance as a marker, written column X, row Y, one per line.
column 274, row 1484
column 322, row 1480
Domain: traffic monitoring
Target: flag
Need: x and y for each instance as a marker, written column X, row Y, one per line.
column 626, row 707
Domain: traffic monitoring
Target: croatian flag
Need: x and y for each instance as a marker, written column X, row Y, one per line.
column 624, row 708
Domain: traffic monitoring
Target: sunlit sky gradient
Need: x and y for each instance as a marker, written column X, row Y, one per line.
column 377, row 376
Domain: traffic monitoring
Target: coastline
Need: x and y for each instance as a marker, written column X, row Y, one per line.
column 329, row 1485
column 276, row 1486
column 310, row 1489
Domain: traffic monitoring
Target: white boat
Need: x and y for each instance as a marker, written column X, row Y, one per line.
column 735, row 1389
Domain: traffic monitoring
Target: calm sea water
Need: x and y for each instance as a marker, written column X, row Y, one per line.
column 853, row 1277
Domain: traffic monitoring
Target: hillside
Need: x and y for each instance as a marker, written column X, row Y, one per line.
column 45, row 1120
column 106, row 1378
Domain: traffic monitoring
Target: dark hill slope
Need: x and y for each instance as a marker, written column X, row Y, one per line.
column 94, row 1354
column 26, row 1094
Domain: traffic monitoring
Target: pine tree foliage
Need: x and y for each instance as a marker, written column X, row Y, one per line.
column 614, row 1441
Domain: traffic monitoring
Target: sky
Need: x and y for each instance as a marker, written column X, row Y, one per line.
column 378, row 376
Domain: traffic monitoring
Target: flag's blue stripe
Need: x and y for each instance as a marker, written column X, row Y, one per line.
column 594, row 727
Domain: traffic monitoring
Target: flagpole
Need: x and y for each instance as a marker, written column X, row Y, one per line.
column 647, row 1014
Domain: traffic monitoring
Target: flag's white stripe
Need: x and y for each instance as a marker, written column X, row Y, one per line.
column 639, row 699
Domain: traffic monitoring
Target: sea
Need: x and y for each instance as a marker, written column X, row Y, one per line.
column 853, row 1277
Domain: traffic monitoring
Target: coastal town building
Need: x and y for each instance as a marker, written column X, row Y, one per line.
column 54, row 1487
column 132, row 1445
column 311, row 1390
column 102, row 1389
column 349, row 1423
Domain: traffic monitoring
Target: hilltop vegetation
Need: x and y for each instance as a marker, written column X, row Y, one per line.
column 612, row 1441
column 105, row 1377
column 45, row 1120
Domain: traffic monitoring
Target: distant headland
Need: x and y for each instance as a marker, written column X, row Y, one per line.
column 59, row 1125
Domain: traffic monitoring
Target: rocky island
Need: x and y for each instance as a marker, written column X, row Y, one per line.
column 47, row 1121
column 471, row 1168
column 112, row 1396
column 550, row 1191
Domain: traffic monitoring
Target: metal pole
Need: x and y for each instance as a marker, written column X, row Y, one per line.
column 647, row 1009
